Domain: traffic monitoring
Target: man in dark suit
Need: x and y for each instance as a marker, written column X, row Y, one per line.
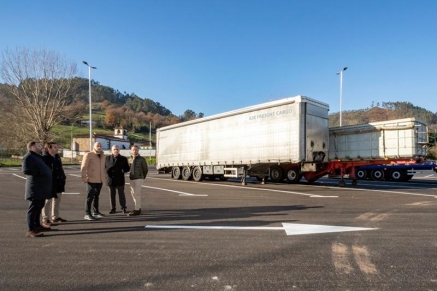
column 116, row 165
column 38, row 187
column 53, row 161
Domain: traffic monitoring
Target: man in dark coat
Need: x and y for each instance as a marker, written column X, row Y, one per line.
column 138, row 172
column 38, row 187
column 53, row 161
column 116, row 165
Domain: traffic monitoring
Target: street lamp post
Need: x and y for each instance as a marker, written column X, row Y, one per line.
column 150, row 139
column 90, row 101
column 341, row 92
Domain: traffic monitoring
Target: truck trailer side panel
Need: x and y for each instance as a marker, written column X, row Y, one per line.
column 289, row 130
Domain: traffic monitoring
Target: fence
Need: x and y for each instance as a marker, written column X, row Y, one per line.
column 8, row 158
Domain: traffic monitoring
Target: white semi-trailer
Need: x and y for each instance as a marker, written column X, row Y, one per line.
column 278, row 139
column 284, row 139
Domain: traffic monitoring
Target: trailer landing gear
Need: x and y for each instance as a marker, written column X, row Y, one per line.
column 243, row 178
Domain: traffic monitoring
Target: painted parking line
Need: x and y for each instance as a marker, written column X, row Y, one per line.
column 19, row 176
column 173, row 191
column 255, row 189
column 373, row 190
column 75, row 175
column 66, row 193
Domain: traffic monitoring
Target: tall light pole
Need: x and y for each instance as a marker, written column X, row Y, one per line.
column 90, row 101
column 341, row 91
column 150, row 139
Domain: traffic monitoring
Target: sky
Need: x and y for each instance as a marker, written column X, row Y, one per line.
column 214, row 56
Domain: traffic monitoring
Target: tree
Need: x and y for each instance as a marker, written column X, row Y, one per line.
column 188, row 115
column 40, row 84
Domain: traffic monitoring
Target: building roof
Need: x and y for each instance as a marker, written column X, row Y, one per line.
column 103, row 136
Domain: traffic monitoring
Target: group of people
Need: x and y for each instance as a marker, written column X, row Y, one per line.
column 45, row 182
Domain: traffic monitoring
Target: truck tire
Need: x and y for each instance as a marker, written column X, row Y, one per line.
column 276, row 174
column 377, row 175
column 361, row 174
column 197, row 174
column 176, row 173
column 397, row 175
column 186, row 173
column 293, row 176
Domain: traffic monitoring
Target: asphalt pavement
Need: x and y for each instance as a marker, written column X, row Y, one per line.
column 217, row 235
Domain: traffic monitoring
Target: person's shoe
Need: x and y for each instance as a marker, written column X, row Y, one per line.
column 98, row 214
column 34, row 233
column 59, row 219
column 46, row 223
column 124, row 210
column 112, row 211
column 134, row 213
column 89, row 217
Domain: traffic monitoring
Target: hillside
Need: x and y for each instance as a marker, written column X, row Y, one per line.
column 141, row 115
column 390, row 110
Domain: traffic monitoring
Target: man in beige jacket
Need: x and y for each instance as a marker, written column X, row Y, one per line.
column 93, row 173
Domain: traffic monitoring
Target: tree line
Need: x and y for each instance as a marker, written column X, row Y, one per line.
column 384, row 111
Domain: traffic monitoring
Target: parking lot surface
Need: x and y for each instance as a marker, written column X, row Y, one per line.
column 217, row 235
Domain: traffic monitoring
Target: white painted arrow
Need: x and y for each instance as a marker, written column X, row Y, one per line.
column 290, row 228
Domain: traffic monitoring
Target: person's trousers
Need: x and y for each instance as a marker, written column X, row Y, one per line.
column 34, row 213
column 55, row 207
column 121, row 196
column 93, row 197
column 135, row 190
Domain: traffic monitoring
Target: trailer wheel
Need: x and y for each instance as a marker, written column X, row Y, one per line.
column 276, row 174
column 361, row 174
column 186, row 173
column 397, row 175
column 197, row 174
column 176, row 173
column 293, row 176
column 223, row 178
column 377, row 175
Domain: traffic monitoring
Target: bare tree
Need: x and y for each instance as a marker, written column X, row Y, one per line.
column 40, row 85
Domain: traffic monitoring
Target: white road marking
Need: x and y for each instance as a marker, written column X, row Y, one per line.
column 373, row 190
column 174, row 191
column 385, row 191
column 290, row 228
column 62, row 192
column 256, row 189
column 75, row 175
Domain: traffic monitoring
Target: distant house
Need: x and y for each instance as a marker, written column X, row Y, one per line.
column 82, row 142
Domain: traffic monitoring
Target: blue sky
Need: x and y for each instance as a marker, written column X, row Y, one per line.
column 213, row 56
